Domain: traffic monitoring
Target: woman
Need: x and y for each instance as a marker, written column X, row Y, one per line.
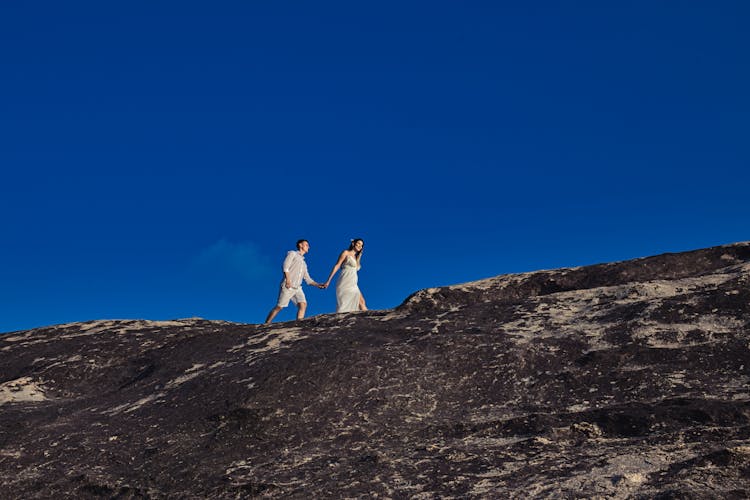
column 348, row 296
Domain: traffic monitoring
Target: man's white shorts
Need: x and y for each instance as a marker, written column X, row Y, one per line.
column 295, row 294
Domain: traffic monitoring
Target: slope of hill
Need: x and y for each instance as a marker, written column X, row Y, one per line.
column 620, row 380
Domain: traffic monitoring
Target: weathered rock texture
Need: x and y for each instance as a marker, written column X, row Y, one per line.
column 621, row 380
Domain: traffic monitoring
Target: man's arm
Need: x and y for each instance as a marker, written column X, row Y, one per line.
column 311, row 281
column 285, row 267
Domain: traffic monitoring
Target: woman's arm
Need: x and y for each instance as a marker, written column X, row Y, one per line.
column 336, row 268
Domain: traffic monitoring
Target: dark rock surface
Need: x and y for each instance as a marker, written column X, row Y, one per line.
column 623, row 380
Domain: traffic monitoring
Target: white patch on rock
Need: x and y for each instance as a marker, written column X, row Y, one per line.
column 182, row 379
column 273, row 341
column 21, row 390
column 132, row 406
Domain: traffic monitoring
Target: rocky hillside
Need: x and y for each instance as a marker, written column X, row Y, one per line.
column 623, row 380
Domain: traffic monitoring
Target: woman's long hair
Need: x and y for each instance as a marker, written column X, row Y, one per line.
column 354, row 242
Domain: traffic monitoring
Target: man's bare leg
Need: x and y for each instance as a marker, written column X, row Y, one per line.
column 272, row 314
column 301, row 307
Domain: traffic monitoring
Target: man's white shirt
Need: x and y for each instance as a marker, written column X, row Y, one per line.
column 296, row 268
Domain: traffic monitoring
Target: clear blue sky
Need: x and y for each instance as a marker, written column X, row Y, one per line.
column 159, row 158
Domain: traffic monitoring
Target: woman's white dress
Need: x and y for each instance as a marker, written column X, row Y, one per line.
column 347, row 291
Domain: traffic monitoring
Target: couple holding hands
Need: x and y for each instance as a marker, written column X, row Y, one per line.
column 348, row 296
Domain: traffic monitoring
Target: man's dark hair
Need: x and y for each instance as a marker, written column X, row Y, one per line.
column 299, row 242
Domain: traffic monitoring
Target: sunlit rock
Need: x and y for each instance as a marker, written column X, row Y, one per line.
column 622, row 380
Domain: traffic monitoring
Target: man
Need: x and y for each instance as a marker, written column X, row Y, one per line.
column 295, row 270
